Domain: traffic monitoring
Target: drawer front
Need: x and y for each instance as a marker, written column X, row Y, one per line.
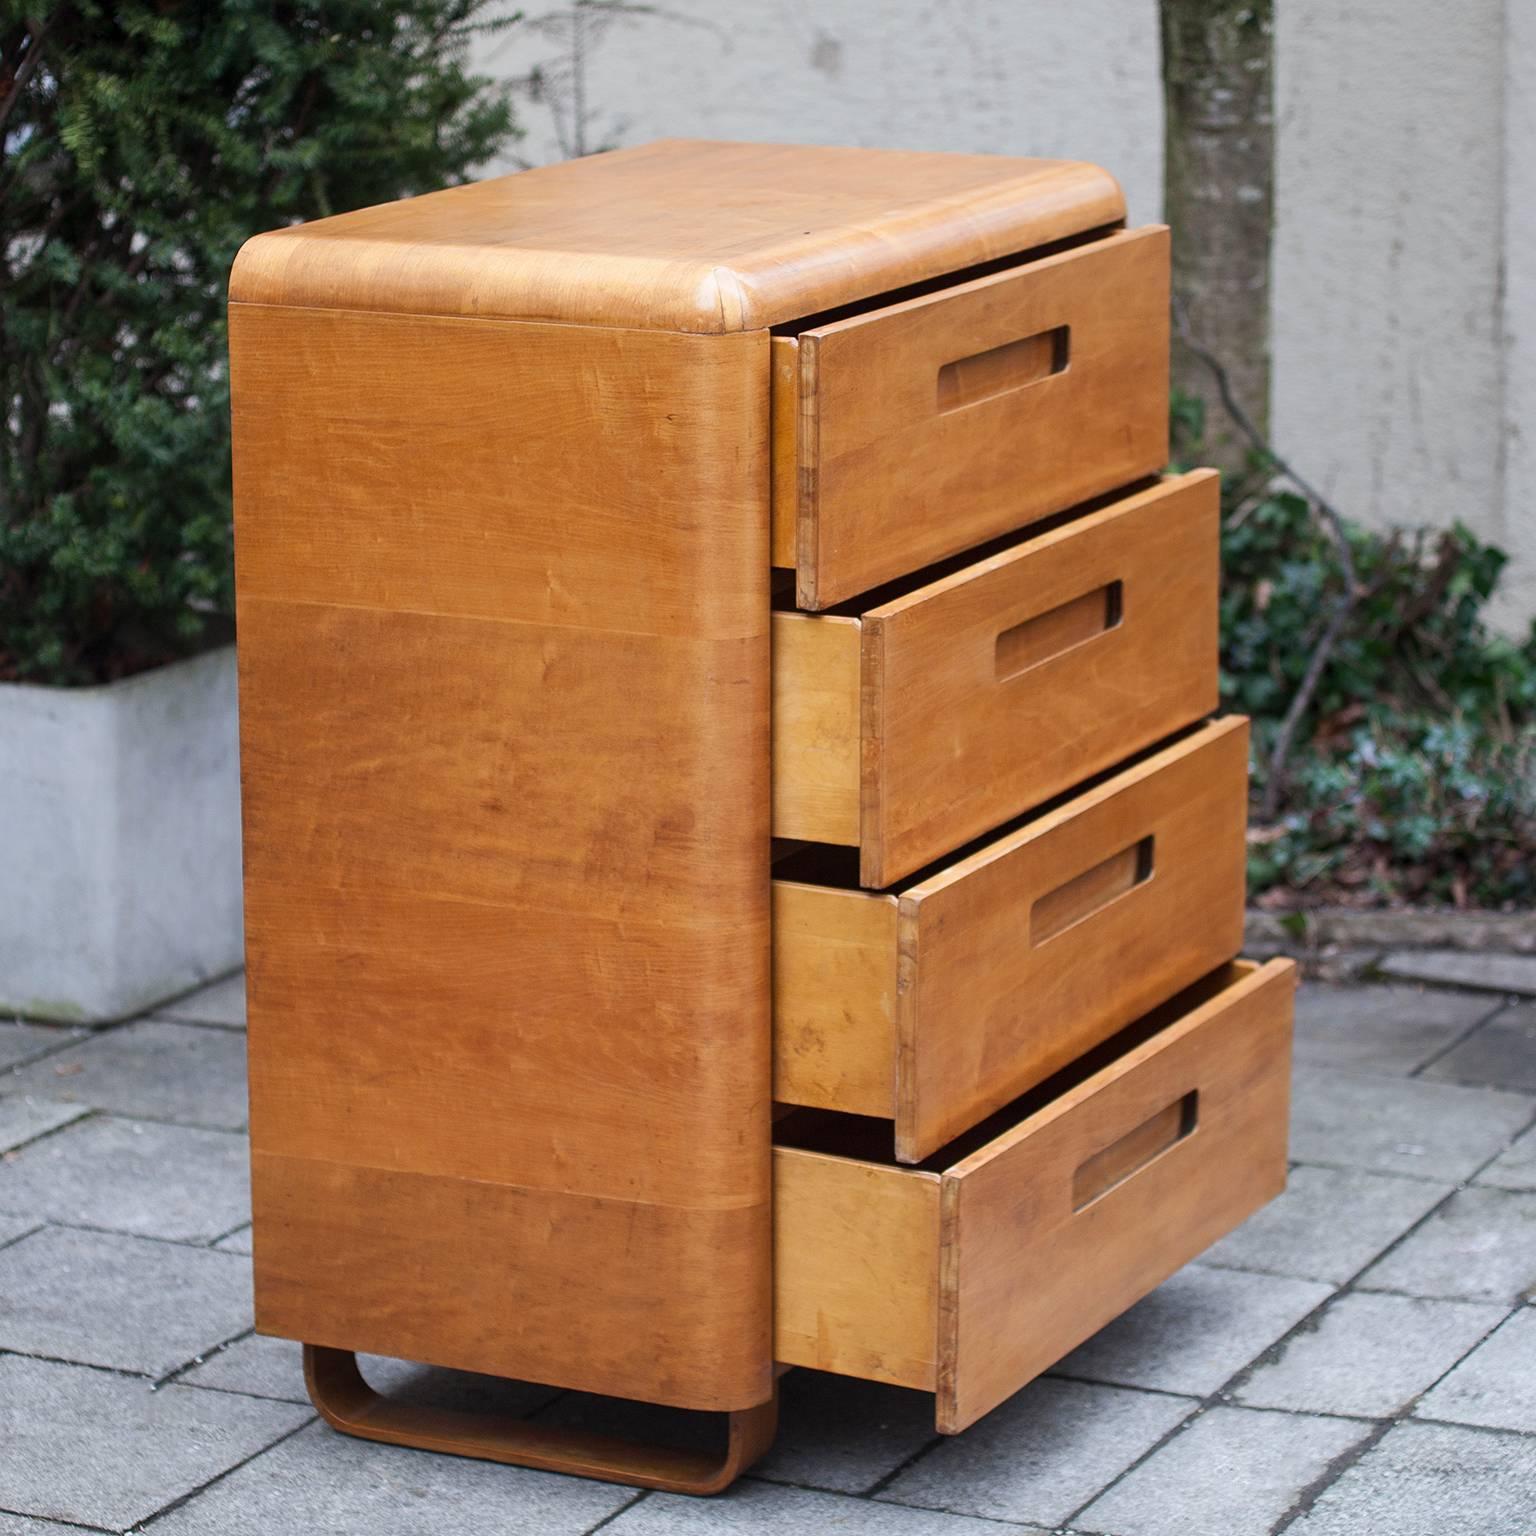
column 921, row 429
column 997, row 971
column 1058, row 1226
column 926, row 721
column 972, row 1279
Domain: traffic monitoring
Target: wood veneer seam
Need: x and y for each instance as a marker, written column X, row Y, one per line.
column 435, row 315
column 743, row 1204
column 462, row 616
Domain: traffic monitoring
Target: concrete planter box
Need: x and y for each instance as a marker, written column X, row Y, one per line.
column 119, row 840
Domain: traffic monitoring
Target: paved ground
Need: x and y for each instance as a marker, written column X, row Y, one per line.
column 1359, row 1360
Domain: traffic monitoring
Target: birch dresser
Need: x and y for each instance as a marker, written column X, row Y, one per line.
column 741, row 869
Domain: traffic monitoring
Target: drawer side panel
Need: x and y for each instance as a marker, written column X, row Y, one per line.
column 834, row 999
column 856, row 1268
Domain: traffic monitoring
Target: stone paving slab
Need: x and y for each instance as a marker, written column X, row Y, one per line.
column 94, row 1448
column 1500, row 1053
column 1232, row 1472
column 1195, row 1331
column 1514, row 1168
column 1369, row 1355
column 1436, row 1131
column 21, row 1525
column 842, row 1434
column 835, row 1432
column 24, row 1118
column 24, row 1042
column 222, row 1002
column 1495, row 1385
column 128, row 1303
column 256, row 1365
column 165, row 1181
column 766, row 1509
column 238, row 1241
column 14, row 1227
column 1510, row 974
column 1382, row 1029
column 1480, row 1246
column 151, row 1069
column 322, row 1482
column 1328, row 1225
column 1431, row 1480
column 1043, row 1454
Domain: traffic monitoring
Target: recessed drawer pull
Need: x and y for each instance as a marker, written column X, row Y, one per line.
column 1000, row 370
column 1058, row 630
column 1090, row 892
column 1135, row 1150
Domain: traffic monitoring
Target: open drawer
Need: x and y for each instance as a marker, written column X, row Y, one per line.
column 910, row 432
column 927, row 718
column 934, row 1004
column 972, row 1274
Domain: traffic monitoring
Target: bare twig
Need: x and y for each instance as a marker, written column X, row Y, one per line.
column 36, row 32
column 562, row 83
column 1333, row 525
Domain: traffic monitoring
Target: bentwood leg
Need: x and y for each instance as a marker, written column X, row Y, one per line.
column 347, row 1402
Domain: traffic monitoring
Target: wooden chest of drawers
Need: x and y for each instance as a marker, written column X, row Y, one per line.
column 712, row 634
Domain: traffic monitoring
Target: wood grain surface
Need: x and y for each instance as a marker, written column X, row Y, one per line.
column 816, row 743
column 683, row 235
column 890, row 478
column 834, row 999
column 856, row 1268
column 992, row 689
column 504, row 662
column 784, row 469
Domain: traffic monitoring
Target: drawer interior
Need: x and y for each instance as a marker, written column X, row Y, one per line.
column 972, row 1272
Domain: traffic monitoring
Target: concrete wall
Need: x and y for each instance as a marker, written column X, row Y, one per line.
column 1515, row 526
column 1388, row 365
column 1404, row 297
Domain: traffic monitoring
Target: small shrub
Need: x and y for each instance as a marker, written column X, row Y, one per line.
column 1395, row 809
column 1413, row 776
column 140, row 143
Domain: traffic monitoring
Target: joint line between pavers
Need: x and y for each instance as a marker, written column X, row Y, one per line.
column 1487, row 1018
column 192, row 1493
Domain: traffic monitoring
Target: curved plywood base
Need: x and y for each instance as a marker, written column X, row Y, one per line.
column 348, row 1403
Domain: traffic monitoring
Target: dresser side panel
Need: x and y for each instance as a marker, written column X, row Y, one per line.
column 504, row 667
